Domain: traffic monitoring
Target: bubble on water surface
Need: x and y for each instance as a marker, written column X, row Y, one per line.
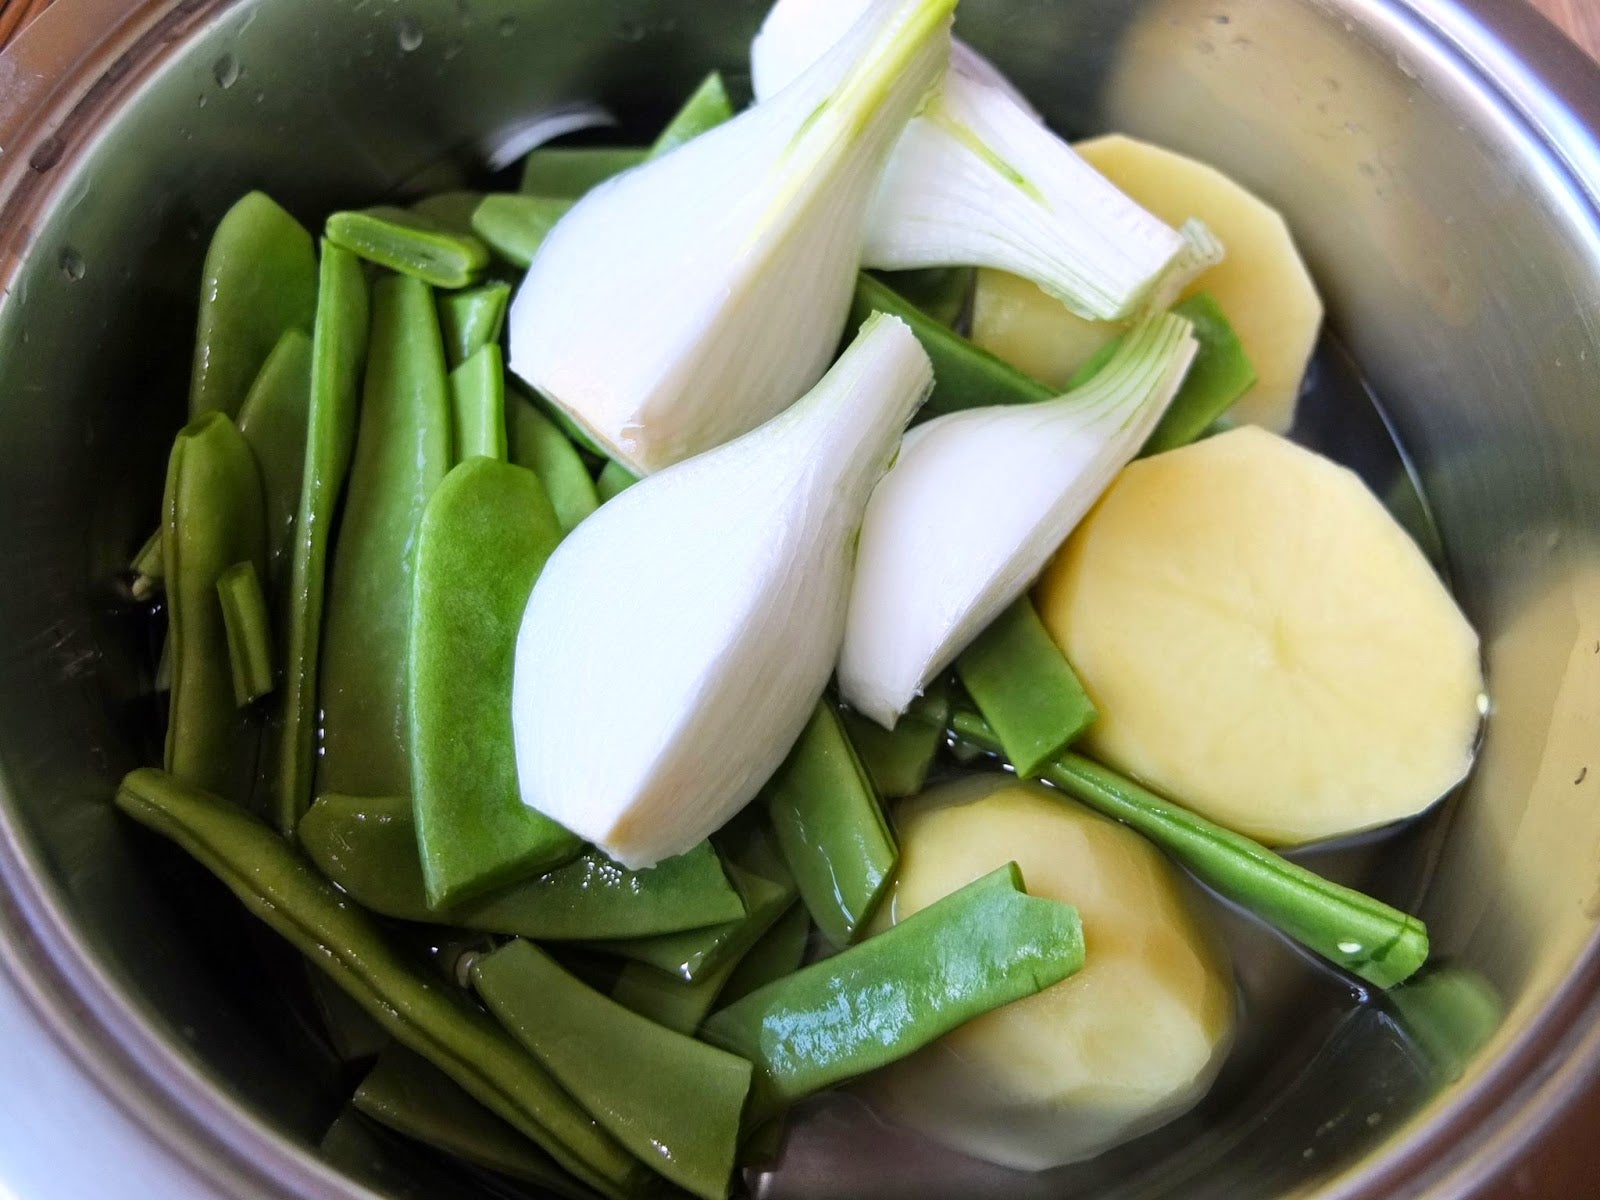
column 72, row 264
column 410, row 34
column 225, row 71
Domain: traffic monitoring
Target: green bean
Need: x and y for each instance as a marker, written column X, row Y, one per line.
column 1025, row 688
column 515, row 226
column 211, row 519
column 478, row 406
column 248, row 628
column 449, row 210
column 707, row 107
column 146, row 566
column 963, row 375
column 570, row 171
column 614, row 480
column 391, row 1167
column 353, row 1036
column 780, row 952
column 537, row 443
column 1220, row 374
column 978, row 948
column 940, row 292
column 274, row 419
column 259, row 281
column 402, row 452
column 831, row 829
column 673, row 1101
column 483, row 541
column 471, row 319
column 368, row 846
column 898, row 760
column 338, row 347
column 410, row 243
column 1360, row 934
column 411, row 1096
column 419, row 1009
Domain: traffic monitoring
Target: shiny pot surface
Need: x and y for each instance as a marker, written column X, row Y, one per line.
column 1447, row 199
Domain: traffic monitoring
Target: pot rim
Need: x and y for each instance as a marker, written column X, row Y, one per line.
column 73, row 65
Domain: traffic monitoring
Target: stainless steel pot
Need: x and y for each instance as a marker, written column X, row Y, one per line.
column 1446, row 192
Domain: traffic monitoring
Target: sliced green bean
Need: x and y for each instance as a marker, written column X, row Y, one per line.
column 614, row 480
column 831, row 829
column 978, row 948
column 419, row 1009
column 707, row 107
column 1025, row 688
column 515, row 226
column 777, row 954
column 411, row 1096
column 392, row 1167
column 402, row 452
column 478, row 405
column 1220, row 374
column 212, row 519
column 338, row 348
column 449, row 210
column 368, row 846
column 568, row 172
column 536, row 442
column 696, row 953
column 483, row 541
column 410, row 243
column 1364, row 936
column 673, row 1101
column 248, row 627
column 964, row 376
column 259, row 281
column 274, row 419
column 471, row 319
column 943, row 293
column 353, row 1036
column 146, row 563
column 898, row 760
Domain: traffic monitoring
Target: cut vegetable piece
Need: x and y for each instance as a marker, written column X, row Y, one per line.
column 478, row 406
column 707, row 107
column 368, row 846
column 449, row 210
column 898, row 760
column 1025, row 688
column 484, row 538
column 1364, row 936
column 471, row 319
column 984, row 946
column 410, row 243
column 536, row 443
column 516, row 226
column 417, row 1007
column 964, row 376
column 1027, row 328
column 1128, row 1043
column 338, row 348
column 410, row 1095
column 737, row 565
column 249, row 631
column 831, row 829
column 728, row 264
column 1220, row 374
column 259, row 281
column 1263, row 285
column 669, row 1001
column 401, row 454
column 274, row 420
column 613, row 481
column 1265, row 642
column 780, row 952
column 567, row 172
column 976, row 504
column 211, row 519
column 673, row 1101
column 940, row 292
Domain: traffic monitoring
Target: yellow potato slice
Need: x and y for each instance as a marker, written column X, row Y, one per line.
column 1016, row 320
column 1131, row 1041
column 1264, row 643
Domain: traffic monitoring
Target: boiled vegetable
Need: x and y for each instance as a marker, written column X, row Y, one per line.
column 410, row 243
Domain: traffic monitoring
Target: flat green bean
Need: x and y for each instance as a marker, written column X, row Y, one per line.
column 471, row 319
column 274, row 420
column 831, row 829
column 478, row 406
column 338, row 348
column 1220, row 373
column 614, row 480
column 515, row 226
column 707, row 107
column 482, row 543
column 1025, row 688
column 259, row 281
column 410, row 243
column 449, row 210
column 898, row 760
column 146, row 566
column 780, row 952
column 981, row 947
column 402, row 452
column 536, row 442
column 211, row 519
column 673, row 1101
column 419, row 1009
column 567, row 172
column 249, row 631
column 368, row 846
column 392, row 1167
column 941, row 292
column 1364, row 936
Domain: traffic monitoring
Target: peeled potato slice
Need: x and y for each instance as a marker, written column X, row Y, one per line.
column 1016, row 320
column 1264, row 643
column 1131, row 1041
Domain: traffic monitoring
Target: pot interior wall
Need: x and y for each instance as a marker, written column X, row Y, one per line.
column 1465, row 282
